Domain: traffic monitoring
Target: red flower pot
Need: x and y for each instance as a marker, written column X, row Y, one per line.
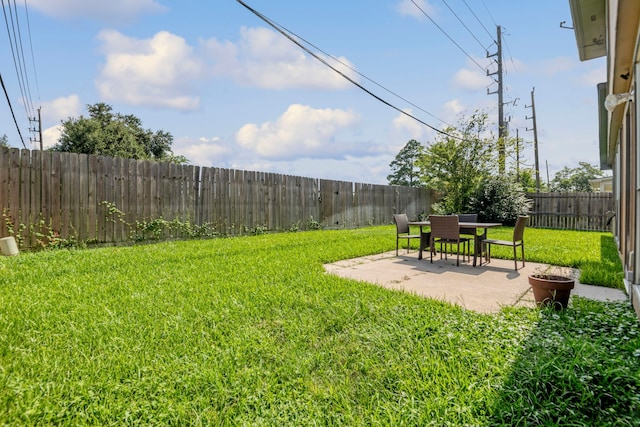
column 551, row 290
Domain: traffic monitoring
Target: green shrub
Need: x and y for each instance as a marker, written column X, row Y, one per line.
column 499, row 200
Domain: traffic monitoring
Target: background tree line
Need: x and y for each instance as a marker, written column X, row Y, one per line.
column 462, row 164
column 107, row 133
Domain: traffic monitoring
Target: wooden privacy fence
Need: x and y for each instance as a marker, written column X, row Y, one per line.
column 97, row 199
column 571, row 211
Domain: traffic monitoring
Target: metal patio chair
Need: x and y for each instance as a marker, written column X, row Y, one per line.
column 518, row 240
column 402, row 230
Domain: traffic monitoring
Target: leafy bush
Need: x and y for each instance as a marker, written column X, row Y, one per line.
column 499, row 199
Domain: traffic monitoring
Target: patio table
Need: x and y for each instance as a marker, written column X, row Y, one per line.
column 477, row 243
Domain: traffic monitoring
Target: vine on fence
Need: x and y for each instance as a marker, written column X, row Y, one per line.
column 43, row 233
column 156, row 229
column 48, row 238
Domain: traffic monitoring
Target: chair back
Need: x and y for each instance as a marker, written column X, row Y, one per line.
column 468, row 218
column 518, row 231
column 402, row 223
column 444, row 226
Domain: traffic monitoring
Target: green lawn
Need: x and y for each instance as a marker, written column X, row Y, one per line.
column 251, row 331
column 594, row 253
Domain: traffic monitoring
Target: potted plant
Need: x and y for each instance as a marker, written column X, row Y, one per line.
column 552, row 287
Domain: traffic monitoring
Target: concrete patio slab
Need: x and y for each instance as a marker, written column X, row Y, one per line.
column 484, row 289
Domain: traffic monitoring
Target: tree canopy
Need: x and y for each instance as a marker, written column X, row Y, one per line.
column 575, row 179
column 456, row 162
column 404, row 167
column 114, row 134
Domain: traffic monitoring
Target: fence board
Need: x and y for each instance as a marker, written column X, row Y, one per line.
column 205, row 196
column 102, row 199
column 4, row 189
column 65, row 194
column 55, row 192
column 130, row 207
column 25, row 194
column 121, row 197
column 110, row 196
column 35, row 182
column 92, row 201
column 75, row 201
column 13, row 211
column 83, row 198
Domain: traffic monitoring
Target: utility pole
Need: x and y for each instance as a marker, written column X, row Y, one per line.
column 502, row 130
column 548, row 182
column 535, row 137
column 37, row 129
column 517, row 155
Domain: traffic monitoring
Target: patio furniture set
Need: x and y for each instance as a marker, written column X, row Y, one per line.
column 459, row 230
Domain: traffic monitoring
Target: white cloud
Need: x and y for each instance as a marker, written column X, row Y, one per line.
column 408, row 8
column 453, row 109
column 50, row 136
column 265, row 59
column 154, row 72
column 61, row 109
column 415, row 129
column 105, row 11
column 301, row 132
column 554, row 66
column 595, row 76
column 162, row 71
column 206, row 152
column 56, row 111
column 471, row 79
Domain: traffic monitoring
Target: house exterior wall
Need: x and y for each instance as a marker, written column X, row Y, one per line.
column 620, row 142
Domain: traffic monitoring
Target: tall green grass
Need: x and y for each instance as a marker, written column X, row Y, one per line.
column 251, row 331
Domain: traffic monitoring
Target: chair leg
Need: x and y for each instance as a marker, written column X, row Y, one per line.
column 515, row 256
column 397, row 244
column 432, row 249
column 522, row 247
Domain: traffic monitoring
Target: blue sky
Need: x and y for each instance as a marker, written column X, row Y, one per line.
column 236, row 94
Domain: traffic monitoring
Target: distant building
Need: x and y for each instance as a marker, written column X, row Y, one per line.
column 601, row 185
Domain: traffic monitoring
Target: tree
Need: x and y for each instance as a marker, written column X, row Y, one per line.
column 499, row 199
column 116, row 135
column 527, row 180
column 576, row 179
column 4, row 141
column 457, row 162
column 404, row 167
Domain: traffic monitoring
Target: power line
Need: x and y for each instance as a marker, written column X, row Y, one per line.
column 489, row 12
column 288, row 35
column 338, row 60
column 478, row 19
column 18, row 63
column 23, row 61
column 33, row 60
column 510, row 56
column 11, row 108
column 464, row 25
column 448, row 36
